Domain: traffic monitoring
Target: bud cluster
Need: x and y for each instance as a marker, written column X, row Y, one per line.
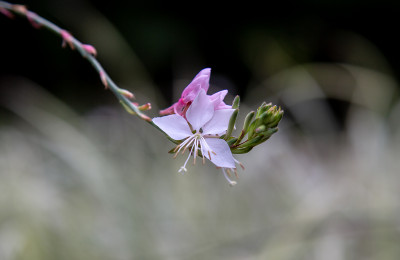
column 258, row 127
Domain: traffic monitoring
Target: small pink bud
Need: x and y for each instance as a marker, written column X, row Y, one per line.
column 6, row 13
column 67, row 39
column 126, row 93
column 103, row 79
column 20, row 9
column 144, row 117
column 90, row 49
column 145, row 107
column 32, row 19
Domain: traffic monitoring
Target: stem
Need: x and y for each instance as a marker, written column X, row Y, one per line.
column 38, row 21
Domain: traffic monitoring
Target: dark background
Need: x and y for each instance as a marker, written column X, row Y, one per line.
column 174, row 41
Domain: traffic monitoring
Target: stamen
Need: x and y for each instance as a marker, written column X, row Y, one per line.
column 195, row 151
column 241, row 165
column 183, row 168
column 231, row 183
column 185, row 144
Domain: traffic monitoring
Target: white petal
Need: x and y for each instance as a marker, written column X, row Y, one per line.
column 218, row 123
column 174, row 125
column 200, row 111
column 223, row 155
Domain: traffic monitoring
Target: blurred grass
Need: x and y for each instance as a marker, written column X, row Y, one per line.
column 100, row 184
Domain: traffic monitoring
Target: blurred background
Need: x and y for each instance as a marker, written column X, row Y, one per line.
column 82, row 179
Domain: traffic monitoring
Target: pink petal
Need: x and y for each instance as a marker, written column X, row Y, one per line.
column 191, row 92
column 218, row 123
column 168, row 111
column 223, row 155
column 173, row 125
column 217, row 100
column 201, row 81
column 200, row 111
column 205, row 74
column 222, row 105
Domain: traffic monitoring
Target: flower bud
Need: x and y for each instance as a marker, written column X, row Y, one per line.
column 264, row 107
column 267, row 134
column 260, row 129
column 252, row 127
column 232, row 141
column 145, row 107
column 126, row 93
column 247, row 121
column 89, row 49
column 127, row 108
column 236, row 102
column 242, row 150
column 231, row 125
column 103, row 79
column 21, row 9
column 67, row 39
column 6, row 13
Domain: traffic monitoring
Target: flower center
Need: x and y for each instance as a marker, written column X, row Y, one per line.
column 196, row 143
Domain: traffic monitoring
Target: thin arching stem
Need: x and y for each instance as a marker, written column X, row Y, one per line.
column 87, row 51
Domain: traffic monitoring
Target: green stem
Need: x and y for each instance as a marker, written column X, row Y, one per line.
column 75, row 44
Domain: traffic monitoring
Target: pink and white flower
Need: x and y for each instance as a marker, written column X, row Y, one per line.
column 200, row 132
column 200, row 82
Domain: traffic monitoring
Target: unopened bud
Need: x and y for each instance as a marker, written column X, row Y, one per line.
column 236, row 102
column 242, row 150
column 127, row 108
column 267, row 134
column 89, row 49
column 260, row 129
column 126, row 93
column 32, row 19
column 232, row 141
column 231, row 125
column 256, row 123
column 103, row 79
column 20, row 9
column 144, row 117
column 247, row 121
column 6, row 13
column 145, row 107
column 67, row 39
column 264, row 107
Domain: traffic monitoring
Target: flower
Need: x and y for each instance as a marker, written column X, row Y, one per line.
column 200, row 82
column 200, row 132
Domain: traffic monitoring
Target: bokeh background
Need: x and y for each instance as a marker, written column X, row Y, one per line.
column 82, row 179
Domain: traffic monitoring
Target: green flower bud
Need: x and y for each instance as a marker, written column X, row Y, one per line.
column 264, row 107
column 231, row 141
column 241, row 151
column 236, row 102
column 247, row 121
column 267, row 134
column 231, row 125
column 260, row 129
